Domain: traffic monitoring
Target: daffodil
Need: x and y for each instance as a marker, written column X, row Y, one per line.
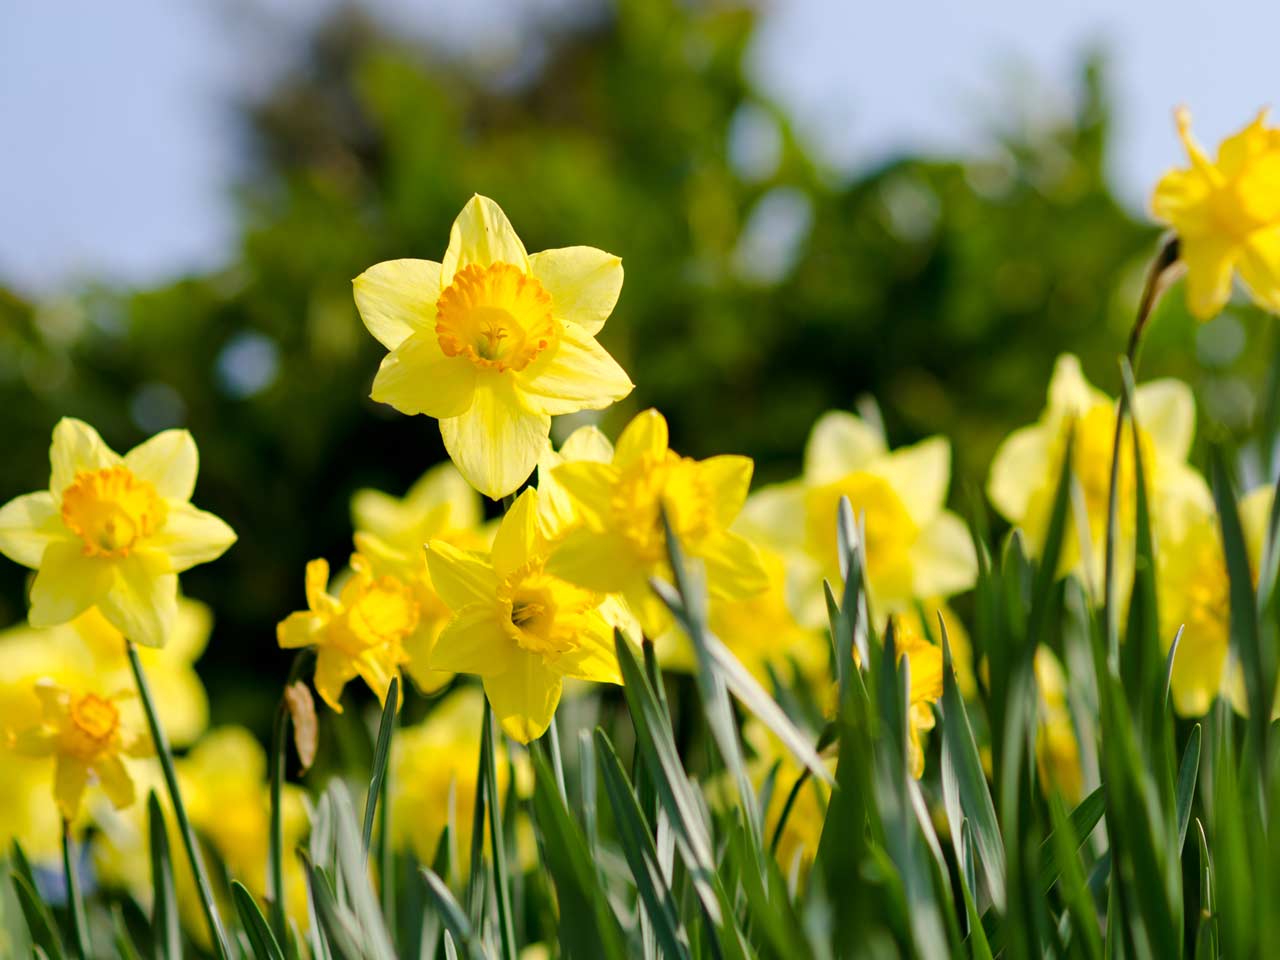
column 585, row 445
column 392, row 533
column 1057, row 750
column 359, row 633
column 924, row 660
column 82, row 731
column 433, row 775
column 915, row 548
column 112, row 532
column 1226, row 213
column 517, row 625
column 619, row 541
column 1194, row 594
column 1024, row 474
column 493, row 342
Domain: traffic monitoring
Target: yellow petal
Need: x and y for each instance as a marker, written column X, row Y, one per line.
column 589, row 487
column 602, row 562
column 300, row 629
column 1018, row 469
column 595, row 659
column 734, row 567
column 578, row 374
column 497, row 442
column 1255, row 516
column 317, row 584
column 839, row 444
column 1166, row 412
column 483, row 235
column 584, row 283
column 443, row 485
column 1260, row 267
column 1179, row 200
column 775, row 516
column 418, row 647
column 190, row 536
column 645, row 434
column 729, row 477
column 333, row 671
column 115, row 780
column 169, row 462
column 69, row 780
column 919, row 475
column 587, row 443
column 474, row 642
column 942, row 558
column 1209, row 260
column 377, row 667
column 143, row 601
column 76, row 446
column 459, row 576
column 68, row 584
column 180, row 700
column 524, row 697
column 416, row 377
column 397, row 297
column 1070, row 394
column 34, row 742
column 517, row 536
column 28, row 524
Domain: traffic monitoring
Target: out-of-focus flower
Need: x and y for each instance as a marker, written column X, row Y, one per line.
column 223, row 782
column 915, row 548
column 81, row 730
column 493, row 342
column 359, row 633
column 433, row 776
column 1227, row 215
column 1024, row 473
column 620, row 542
column 799, row 841
column 392, row 533
column 1194, row 593
column 113, row 532
column 518, row 626
column 1057, row 750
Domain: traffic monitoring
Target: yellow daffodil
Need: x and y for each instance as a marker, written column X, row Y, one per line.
column 223, row 781
column 392, row 534
column 925, row 662
column 359, row 633
column 433, row 776
column 113, row 532
column 1227, row 215
column 518, row 626
column 584, row 445
column 1024, row 473
column 619, row 542
column 915, row 548
column 1194, row 593
column 493, row 342
column 81, row 730
column 1057, row 750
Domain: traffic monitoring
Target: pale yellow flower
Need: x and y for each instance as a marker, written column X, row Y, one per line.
column 359, row 633
column 1227, row 215
column 392, row 533
column 493, row 342
column 1024, row 473
column 519, row 627
column 925, row 675
column 113, row 532
column 915, row 548
column 1057, row 750
column 82, row 731
column 618, row 541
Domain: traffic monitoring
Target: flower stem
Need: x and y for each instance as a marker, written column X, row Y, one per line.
column 165, row 756
column 279, row 753
column 74, row 900
column 1165, row 259
column 557, row 762
column 500, row 880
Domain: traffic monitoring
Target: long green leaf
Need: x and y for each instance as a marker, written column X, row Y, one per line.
column 166, row 925
column 261, row 938
column 1187, row 771
column 381, row 754
column 457, row 927
column 44, row 932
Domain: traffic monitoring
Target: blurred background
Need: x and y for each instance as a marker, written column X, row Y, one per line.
column 814, row 203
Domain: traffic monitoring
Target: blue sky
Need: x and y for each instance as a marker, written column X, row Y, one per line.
column 121, row 148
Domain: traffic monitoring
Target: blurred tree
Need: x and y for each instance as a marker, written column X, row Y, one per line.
column 760, row 288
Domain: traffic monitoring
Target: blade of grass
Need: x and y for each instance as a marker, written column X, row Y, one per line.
column 501, row 881
column 381, row 754
column 458, row 928
column 1187, row 771
column 166, row 927
column 75, row 901
column 279, row 751
column 261, row 938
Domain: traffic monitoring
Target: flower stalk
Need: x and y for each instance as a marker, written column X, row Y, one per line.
column 74, row 900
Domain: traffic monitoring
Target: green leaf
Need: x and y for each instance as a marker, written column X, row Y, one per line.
column 381, row 753
column 339, row 930
column 457, row 927
column 1187, row 771
column 166, row 925
column 120, row 937
column 1207, row 931
column 44, row 932
column 641, row 853
column 261, row 938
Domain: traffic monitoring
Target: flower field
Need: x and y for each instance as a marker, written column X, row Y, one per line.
column 575, row 693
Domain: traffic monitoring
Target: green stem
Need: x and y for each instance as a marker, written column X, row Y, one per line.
column 557, row 762
column 165, row 756
column 495, row 837
column 74, row 900
column 279, row 753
